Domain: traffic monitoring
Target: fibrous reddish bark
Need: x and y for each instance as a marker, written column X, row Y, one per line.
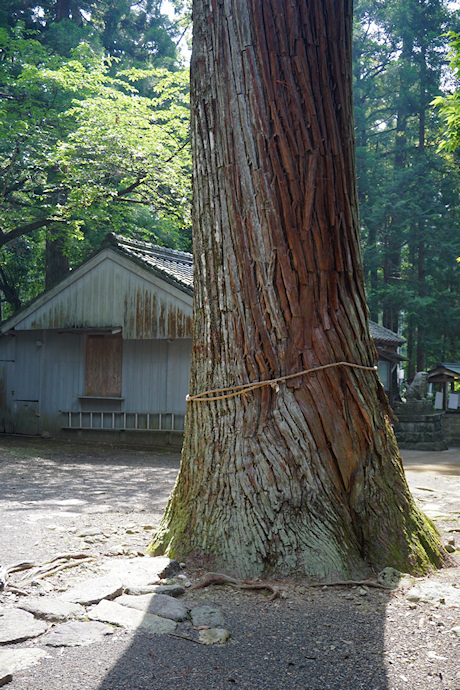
column 306, row 478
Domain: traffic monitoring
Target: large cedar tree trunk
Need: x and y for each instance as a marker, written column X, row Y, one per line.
column 306, row 478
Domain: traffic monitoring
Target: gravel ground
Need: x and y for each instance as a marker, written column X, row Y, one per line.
column 332, row 638
column 51, row 492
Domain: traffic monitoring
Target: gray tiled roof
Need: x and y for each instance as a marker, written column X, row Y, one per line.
column 451, row 366
column 383, row 334
column 167, row 263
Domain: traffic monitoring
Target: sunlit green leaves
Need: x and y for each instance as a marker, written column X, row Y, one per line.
column 449, row 104
column 83, row 151
column 123, row 141
column 75, row 136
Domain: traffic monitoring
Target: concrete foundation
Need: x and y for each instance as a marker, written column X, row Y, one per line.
column 418, row 429
column 451, row 428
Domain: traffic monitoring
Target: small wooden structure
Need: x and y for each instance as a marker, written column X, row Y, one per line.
column 104, row 352
column 387, row 344
column 443, row 377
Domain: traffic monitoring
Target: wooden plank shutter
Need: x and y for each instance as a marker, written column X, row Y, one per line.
column 103, row 365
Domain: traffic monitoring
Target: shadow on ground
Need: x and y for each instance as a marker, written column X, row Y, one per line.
column 324, row 641
column 76, row 477
column 50, row 491
column 443, row 463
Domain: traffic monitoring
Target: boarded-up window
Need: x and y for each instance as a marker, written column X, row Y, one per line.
column 103, row 365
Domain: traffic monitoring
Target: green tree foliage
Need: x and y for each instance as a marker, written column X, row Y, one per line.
column 88, row 143
column 449, row 104
column 409, row 192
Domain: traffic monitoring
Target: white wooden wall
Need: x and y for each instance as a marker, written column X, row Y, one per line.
column 43, row 373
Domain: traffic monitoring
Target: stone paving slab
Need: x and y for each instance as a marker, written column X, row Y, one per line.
column 142, row 571
column 93, row 590
column 77, row 634
column 52, row 609
column 207, row 615
column 159, row 604
column 435, row 593
column 17, row 625
column 169, row 590
column 14, row 660
column 132, row 619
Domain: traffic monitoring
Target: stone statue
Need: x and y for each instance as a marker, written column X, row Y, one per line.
column 418, row 389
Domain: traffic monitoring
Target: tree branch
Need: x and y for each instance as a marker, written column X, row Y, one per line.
column 141, row 180
column 6, row 237
column 137, row 201
column 132, row 187
column 9, row 290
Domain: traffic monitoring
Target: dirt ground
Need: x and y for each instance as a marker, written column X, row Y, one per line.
column 60, row 497
column 434, row 480
column 51, row 492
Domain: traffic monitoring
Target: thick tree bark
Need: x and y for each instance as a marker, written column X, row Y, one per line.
column 304, row 476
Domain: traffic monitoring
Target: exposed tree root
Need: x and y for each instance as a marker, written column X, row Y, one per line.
column 185, row 637
column 220, row 579
column 17, row 567
column 51, row 567
column 68, row 557
column 47, row 573
column 16, row 590
column 345, row 583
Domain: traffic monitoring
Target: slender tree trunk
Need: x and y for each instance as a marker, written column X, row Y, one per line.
column 421, row 279
column 421, row 258
column 304, row 476
column 56, row 261
column 372, row 273
column 411, row 340
column 62, row 8
column 10, row 291
column 411, row 321
column 393, row 244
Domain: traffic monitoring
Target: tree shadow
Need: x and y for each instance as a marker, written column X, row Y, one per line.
column 51, row 490
column 78, row 478
column 327, row 638
column 443, row 463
